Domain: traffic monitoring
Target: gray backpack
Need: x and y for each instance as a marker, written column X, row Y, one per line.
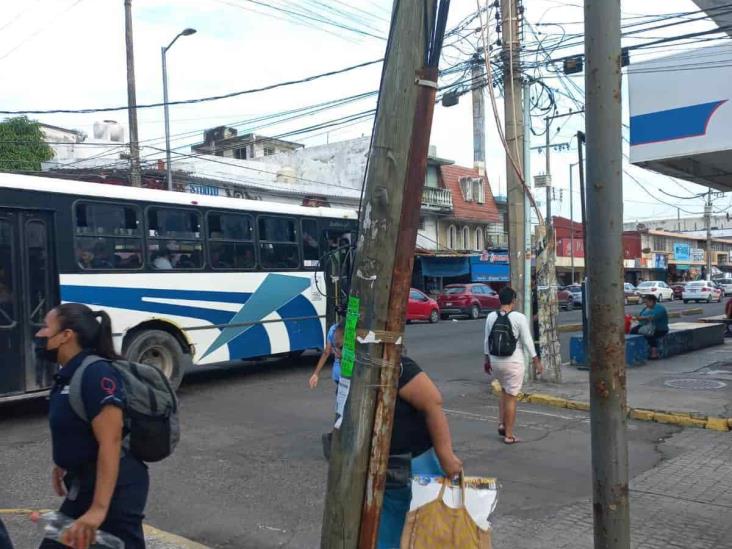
column 151, row 411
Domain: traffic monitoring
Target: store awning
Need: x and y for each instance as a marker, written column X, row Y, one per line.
column 487, row 271
column 444, row 266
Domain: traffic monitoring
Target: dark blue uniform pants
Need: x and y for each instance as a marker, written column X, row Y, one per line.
column 126, row 510
column 4, row 537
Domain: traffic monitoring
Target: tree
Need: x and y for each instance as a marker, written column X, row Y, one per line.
column 22, row 145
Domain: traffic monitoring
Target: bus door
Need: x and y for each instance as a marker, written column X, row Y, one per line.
column 28, row 289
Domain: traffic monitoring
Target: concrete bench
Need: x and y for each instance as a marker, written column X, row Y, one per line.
column 636, row 351
column 682, row 338
column 690, row 336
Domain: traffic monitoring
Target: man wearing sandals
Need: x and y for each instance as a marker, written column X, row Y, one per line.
column 507, row 337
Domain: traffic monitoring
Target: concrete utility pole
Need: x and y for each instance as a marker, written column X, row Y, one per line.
column 608, row 409
column 708, row 225
column 382, row 275
column 478, row 99
column 514, row 132
column 135, row 177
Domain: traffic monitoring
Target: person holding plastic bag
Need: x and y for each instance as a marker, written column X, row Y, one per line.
column 421, row 444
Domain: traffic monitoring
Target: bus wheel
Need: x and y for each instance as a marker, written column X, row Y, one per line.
column 160, row 349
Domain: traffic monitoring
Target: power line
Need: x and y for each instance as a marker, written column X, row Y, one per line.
column 200, row 99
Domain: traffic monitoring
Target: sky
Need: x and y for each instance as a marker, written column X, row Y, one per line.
column 71, row 54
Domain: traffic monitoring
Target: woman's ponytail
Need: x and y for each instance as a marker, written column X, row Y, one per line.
column 105, row 344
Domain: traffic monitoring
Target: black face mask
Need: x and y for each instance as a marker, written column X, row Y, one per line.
column 40, row 345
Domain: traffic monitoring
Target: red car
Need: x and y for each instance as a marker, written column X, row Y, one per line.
column 422, row 307
column 467, row 299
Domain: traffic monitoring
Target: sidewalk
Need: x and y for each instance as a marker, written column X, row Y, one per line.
column 25, row 534
column 697, row 384
column 684, row 502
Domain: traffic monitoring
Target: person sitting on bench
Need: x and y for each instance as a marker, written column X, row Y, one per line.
column 652, row 323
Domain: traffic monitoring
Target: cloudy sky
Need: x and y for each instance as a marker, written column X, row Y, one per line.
column 70, row 54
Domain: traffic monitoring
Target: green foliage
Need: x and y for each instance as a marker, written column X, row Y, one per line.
column 22, row 146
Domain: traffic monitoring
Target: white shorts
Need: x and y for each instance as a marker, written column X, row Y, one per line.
column 510, row 375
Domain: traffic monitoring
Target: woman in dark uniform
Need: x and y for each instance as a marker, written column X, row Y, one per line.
column 105, row 487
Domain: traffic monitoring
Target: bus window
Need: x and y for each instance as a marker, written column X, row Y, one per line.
column 231, row 241
column 7, row 299
column 174, row 239
column 107, row 236
column 278, row 248
column 310, row 243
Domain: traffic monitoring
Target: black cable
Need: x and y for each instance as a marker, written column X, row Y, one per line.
column 200, row 99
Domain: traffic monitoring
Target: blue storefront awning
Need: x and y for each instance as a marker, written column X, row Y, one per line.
column 486, row 271
column 444, row 266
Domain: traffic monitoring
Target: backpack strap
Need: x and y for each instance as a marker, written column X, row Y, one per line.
column 75, row 397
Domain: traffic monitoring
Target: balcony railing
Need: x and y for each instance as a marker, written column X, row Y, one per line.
column 434, row 198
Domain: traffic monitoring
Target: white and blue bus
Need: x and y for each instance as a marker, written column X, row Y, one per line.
column 187, row 279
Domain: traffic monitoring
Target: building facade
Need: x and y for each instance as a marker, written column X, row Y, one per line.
column 226, row 142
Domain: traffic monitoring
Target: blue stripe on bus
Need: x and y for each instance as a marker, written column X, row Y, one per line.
column 249, row 342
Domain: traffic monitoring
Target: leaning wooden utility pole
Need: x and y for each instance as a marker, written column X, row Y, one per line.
column 382, row 274
column 135, row 177
column 514, row 131
column 608, row 408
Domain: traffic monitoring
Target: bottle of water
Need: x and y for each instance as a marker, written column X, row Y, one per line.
column 55, row 524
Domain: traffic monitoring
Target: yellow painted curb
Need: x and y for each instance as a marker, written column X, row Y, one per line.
column 642, row 415
column 682, row 419
column 564, row 328
column 179, row 541
column 689, row 312
column 717, row 424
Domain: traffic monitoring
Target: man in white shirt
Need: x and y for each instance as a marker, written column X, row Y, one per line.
column 507, row 336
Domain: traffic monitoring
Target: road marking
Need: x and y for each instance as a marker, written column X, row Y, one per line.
column 521, row 411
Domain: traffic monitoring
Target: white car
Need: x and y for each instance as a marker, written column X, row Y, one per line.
column 726, row 285
column 701, row 290
column 660, row 289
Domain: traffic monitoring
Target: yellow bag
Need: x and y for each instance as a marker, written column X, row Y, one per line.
column 437, row 525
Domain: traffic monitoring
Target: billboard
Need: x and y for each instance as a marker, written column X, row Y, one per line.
column 681, row 115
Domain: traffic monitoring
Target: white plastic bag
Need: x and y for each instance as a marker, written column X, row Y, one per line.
column 481, row 496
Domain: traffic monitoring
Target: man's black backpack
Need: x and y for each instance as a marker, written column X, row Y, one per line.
column 501, row 340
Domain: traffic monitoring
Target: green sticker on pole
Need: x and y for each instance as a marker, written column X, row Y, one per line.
column 348, row 356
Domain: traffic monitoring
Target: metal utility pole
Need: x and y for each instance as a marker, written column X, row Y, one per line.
column 583, row 213
column 708, row 225
column 382, row 274
column 571, row 216
column 163, row 52
column 135, row 177
column 608, row 409
column 526, row 170
column 514, row 133
column 478, row 99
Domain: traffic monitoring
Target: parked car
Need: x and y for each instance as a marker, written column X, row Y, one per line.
column 575, row 290
column 660, row 289
column 678, row 288
column 564, row 299
column 630, row 294
column 726, row 285
column 467, row 299
column 702, row 290
column 422, row 307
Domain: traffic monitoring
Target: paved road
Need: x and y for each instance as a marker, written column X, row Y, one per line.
column 249, row 471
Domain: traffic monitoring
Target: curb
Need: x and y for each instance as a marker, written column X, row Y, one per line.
column 155, row 533
column 682, row 419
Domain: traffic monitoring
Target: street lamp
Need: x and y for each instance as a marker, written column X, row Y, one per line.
column 164, row 50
